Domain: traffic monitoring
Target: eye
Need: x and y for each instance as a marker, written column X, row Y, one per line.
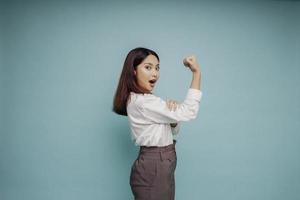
column 157, row 68
column 148, row 67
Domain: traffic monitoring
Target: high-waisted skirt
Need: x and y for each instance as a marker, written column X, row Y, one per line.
column 152, row 174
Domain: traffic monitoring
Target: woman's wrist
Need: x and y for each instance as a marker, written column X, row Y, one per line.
column 197, row 72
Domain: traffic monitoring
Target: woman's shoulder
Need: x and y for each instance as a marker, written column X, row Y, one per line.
column 141, row 98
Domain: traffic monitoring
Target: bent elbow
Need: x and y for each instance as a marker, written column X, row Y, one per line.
column 194, row 116
column 194, row 113
column 189, row 113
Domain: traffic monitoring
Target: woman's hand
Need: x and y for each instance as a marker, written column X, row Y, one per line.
column 191, row 62
column 172, row 105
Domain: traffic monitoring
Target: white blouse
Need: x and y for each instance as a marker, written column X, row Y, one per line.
column 150, row 118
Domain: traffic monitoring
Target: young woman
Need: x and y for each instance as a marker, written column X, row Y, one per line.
column 153, row 122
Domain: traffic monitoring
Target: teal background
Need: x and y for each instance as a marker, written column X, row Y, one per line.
column 60, row 65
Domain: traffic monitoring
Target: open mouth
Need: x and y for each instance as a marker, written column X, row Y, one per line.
column 152, row 82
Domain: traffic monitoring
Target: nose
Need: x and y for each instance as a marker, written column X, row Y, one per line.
column 155, row 74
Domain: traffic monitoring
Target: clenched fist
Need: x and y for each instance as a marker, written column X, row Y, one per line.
column 191, row 62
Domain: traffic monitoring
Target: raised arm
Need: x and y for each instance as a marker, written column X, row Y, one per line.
column 191, row 62
column 155, row 110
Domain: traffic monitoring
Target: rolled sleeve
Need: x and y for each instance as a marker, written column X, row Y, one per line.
column 194, row 94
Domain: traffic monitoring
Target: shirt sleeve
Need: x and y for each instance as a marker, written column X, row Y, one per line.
column 175, row 130
column 155, row 110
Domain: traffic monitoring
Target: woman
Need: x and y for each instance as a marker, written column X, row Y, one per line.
column 153, row 122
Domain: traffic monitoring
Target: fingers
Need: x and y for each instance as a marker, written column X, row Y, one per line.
column 172, row 105
column 189, row 60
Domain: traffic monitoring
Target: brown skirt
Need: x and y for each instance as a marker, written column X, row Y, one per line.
column 152, row 173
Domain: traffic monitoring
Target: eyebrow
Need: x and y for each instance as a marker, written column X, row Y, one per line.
column 151, row 64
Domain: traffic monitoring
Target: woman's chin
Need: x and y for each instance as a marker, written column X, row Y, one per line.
column 151, row 88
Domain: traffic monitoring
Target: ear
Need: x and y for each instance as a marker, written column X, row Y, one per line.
column 134, row 72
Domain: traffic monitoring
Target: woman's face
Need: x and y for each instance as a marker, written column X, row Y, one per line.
column 147, row 73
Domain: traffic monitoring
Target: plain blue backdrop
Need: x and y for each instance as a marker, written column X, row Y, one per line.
column 60, row 65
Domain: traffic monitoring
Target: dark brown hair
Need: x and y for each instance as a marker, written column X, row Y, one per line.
column 128, row 81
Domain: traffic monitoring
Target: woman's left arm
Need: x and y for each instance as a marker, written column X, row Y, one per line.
column 172, row 105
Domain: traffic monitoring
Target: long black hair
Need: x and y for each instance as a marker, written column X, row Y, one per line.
column 128, row 81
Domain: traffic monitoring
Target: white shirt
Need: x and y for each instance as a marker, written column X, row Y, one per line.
column 150, row 118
